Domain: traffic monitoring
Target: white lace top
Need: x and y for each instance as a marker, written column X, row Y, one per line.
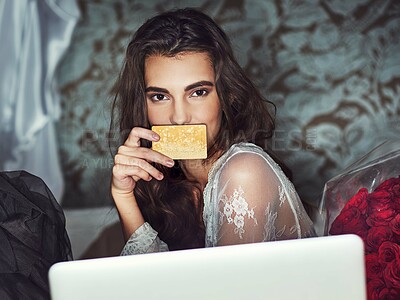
column 247, row 199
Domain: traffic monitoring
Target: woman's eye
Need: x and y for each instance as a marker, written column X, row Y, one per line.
column 199, row 93
column 158, row 97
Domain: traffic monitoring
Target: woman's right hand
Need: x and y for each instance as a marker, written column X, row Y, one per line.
column 133, row 162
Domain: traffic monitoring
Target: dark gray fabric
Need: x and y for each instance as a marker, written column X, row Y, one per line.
column 32, row 236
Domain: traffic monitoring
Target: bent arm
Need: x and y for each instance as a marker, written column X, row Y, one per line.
column 255, row 205
column 140, row 237
column 130, row 216
column 131, row 164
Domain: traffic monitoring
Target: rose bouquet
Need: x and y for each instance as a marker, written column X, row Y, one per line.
column 365, row 200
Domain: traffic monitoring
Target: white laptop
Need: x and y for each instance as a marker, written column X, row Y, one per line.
column 314, row 268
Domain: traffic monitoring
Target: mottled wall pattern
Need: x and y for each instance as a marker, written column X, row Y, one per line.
column 331, row 67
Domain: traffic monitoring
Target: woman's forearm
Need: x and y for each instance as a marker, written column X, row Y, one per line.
column 129, row 212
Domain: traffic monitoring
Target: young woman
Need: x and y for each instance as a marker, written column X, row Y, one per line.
column 180, row 69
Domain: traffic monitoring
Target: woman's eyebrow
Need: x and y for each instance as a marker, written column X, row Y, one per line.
column 198, row 84
column 156, row 89
column 188, row 88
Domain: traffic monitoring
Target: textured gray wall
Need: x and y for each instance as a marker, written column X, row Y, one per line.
column 331, row 67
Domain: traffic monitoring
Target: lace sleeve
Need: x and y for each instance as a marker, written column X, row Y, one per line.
column 144, row 240
column 256, row 205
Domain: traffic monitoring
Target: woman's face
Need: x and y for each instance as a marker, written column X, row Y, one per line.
column 181, row 90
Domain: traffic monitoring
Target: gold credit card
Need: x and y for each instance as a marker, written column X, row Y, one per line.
column 181, row 141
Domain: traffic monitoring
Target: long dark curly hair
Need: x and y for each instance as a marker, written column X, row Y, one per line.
column 174, row 205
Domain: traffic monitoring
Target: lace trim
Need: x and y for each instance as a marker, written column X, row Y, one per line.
column 144, row 240
column 235, row 210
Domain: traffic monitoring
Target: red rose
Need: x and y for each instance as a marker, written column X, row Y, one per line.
column 363, row 235
column 395, row 189
column 359, row 200
column 389, row 252
column 381, row 208
column 389, row 294
column 381, row 196
column 374, row 287
column 349, row 221
column 381, row 216
column 373, row 266
column 376, row 236
column 395, row 224
column 391, row 185
column 391, row 274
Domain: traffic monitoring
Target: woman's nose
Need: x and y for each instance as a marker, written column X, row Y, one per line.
column 180, row 113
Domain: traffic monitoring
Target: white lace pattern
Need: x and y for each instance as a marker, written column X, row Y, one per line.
column 247, row 199
column 235, row 210
column 144, row 240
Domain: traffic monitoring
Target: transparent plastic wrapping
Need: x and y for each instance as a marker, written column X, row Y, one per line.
column 369, row 172
column 365, row 200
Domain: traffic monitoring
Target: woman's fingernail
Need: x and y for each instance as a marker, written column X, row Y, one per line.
column 160, row 176
column 155, row 137
column 170, row 163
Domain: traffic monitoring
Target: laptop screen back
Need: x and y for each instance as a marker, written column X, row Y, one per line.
column 314, row 268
